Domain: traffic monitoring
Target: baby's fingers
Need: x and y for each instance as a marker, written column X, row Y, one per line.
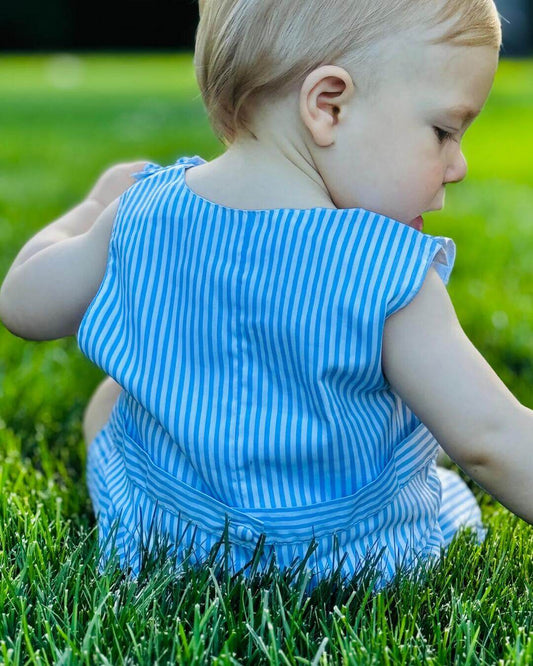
column 134, row 167
column 123, row 171
column 115, row 180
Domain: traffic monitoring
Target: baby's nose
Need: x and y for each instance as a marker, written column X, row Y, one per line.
column 457, row 170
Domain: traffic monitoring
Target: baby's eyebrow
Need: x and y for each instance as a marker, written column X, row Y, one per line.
column 464, row 113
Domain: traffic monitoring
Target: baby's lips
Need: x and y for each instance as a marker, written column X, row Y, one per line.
column 417, row 223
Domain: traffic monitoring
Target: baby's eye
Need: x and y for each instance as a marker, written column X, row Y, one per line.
column 442, row 135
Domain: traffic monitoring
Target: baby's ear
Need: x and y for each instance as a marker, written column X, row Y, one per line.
column 323, row 96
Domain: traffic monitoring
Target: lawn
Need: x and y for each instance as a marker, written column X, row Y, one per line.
column 63, row 119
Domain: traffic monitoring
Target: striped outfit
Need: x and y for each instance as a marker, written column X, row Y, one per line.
column 248, row 346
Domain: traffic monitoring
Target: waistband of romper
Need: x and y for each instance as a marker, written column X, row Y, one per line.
column 280, row 524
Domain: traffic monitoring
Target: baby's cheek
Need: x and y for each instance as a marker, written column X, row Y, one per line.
column 428, row 180
column 436, row 174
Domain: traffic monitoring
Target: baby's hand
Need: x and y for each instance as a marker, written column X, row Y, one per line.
column 114, row 181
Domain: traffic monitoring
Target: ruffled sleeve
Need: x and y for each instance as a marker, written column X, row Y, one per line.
column 414, row 255
column 148, row 170
column 152, row 168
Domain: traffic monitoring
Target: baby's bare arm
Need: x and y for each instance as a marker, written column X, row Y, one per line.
column 46, row 296
column 433, row 366
column 76, row 221
column 58, row 271
column 110, row 185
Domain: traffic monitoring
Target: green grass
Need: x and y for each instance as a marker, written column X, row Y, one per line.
column 62, row 122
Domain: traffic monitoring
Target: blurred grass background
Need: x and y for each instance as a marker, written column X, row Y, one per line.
column 64, row 119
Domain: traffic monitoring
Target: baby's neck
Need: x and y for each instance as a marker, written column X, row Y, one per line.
column 258, row 175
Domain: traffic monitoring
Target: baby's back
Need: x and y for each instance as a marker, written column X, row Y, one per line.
column 249, row 347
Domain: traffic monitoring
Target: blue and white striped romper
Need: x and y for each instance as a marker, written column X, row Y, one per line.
column 248, row 347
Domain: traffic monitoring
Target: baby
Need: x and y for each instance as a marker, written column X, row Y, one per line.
column 283, row 353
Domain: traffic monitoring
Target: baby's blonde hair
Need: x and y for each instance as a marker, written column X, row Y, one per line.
column 248, row 48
